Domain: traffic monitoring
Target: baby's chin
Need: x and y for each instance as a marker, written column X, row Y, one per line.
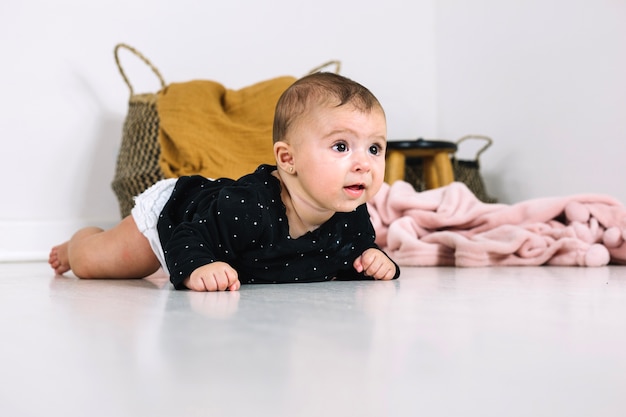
column 350, row 206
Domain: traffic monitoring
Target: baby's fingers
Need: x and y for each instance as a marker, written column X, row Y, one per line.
column 385, row 272
column 224, row 279
column 218, row 276
column 375, row 264
column 234, row 286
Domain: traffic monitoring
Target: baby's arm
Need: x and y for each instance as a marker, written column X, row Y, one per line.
column 216, row 276
column 374, row 263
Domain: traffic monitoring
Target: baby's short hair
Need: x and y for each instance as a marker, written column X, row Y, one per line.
column 320, row 88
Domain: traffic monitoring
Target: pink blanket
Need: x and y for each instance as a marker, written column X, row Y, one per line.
column 450, row 226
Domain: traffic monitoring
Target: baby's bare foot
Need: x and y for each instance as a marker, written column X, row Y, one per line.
column 58, row 259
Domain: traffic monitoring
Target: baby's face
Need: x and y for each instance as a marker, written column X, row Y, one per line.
column 339, row 155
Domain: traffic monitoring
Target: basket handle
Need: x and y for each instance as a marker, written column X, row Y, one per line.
column 334, row 62
column 481, row 150
column 140, row 56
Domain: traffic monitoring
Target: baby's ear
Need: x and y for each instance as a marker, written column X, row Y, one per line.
column 284, row 156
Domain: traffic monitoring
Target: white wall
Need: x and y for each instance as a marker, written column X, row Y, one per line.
column 547, row 80
column 544, row 78
column 63, row 100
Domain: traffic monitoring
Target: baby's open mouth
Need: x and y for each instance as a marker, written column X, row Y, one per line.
column 356, row 187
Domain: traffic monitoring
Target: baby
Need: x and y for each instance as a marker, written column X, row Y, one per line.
column 301, row 220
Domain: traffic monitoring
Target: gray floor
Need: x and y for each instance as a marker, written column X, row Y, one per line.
column 541, row 341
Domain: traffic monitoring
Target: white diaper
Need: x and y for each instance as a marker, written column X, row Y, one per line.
column 148, row 206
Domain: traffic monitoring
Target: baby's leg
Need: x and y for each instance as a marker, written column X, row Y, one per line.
column 121, row 252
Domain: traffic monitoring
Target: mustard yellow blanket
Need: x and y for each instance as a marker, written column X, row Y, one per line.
column 207, row 129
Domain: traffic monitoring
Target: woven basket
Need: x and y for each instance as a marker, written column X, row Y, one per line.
column 468, row 171
column 137, row 166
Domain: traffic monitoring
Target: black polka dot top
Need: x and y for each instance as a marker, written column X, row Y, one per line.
column 244, row 223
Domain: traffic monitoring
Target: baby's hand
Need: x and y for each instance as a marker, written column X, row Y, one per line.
column 216, row 276
column 376, row 264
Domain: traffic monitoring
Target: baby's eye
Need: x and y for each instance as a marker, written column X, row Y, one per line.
column 340, row 147
column 375, row 149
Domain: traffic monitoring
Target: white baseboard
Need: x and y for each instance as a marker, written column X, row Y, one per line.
column 22, row 241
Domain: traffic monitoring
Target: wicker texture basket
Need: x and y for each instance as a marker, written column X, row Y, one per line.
column 137, row 166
